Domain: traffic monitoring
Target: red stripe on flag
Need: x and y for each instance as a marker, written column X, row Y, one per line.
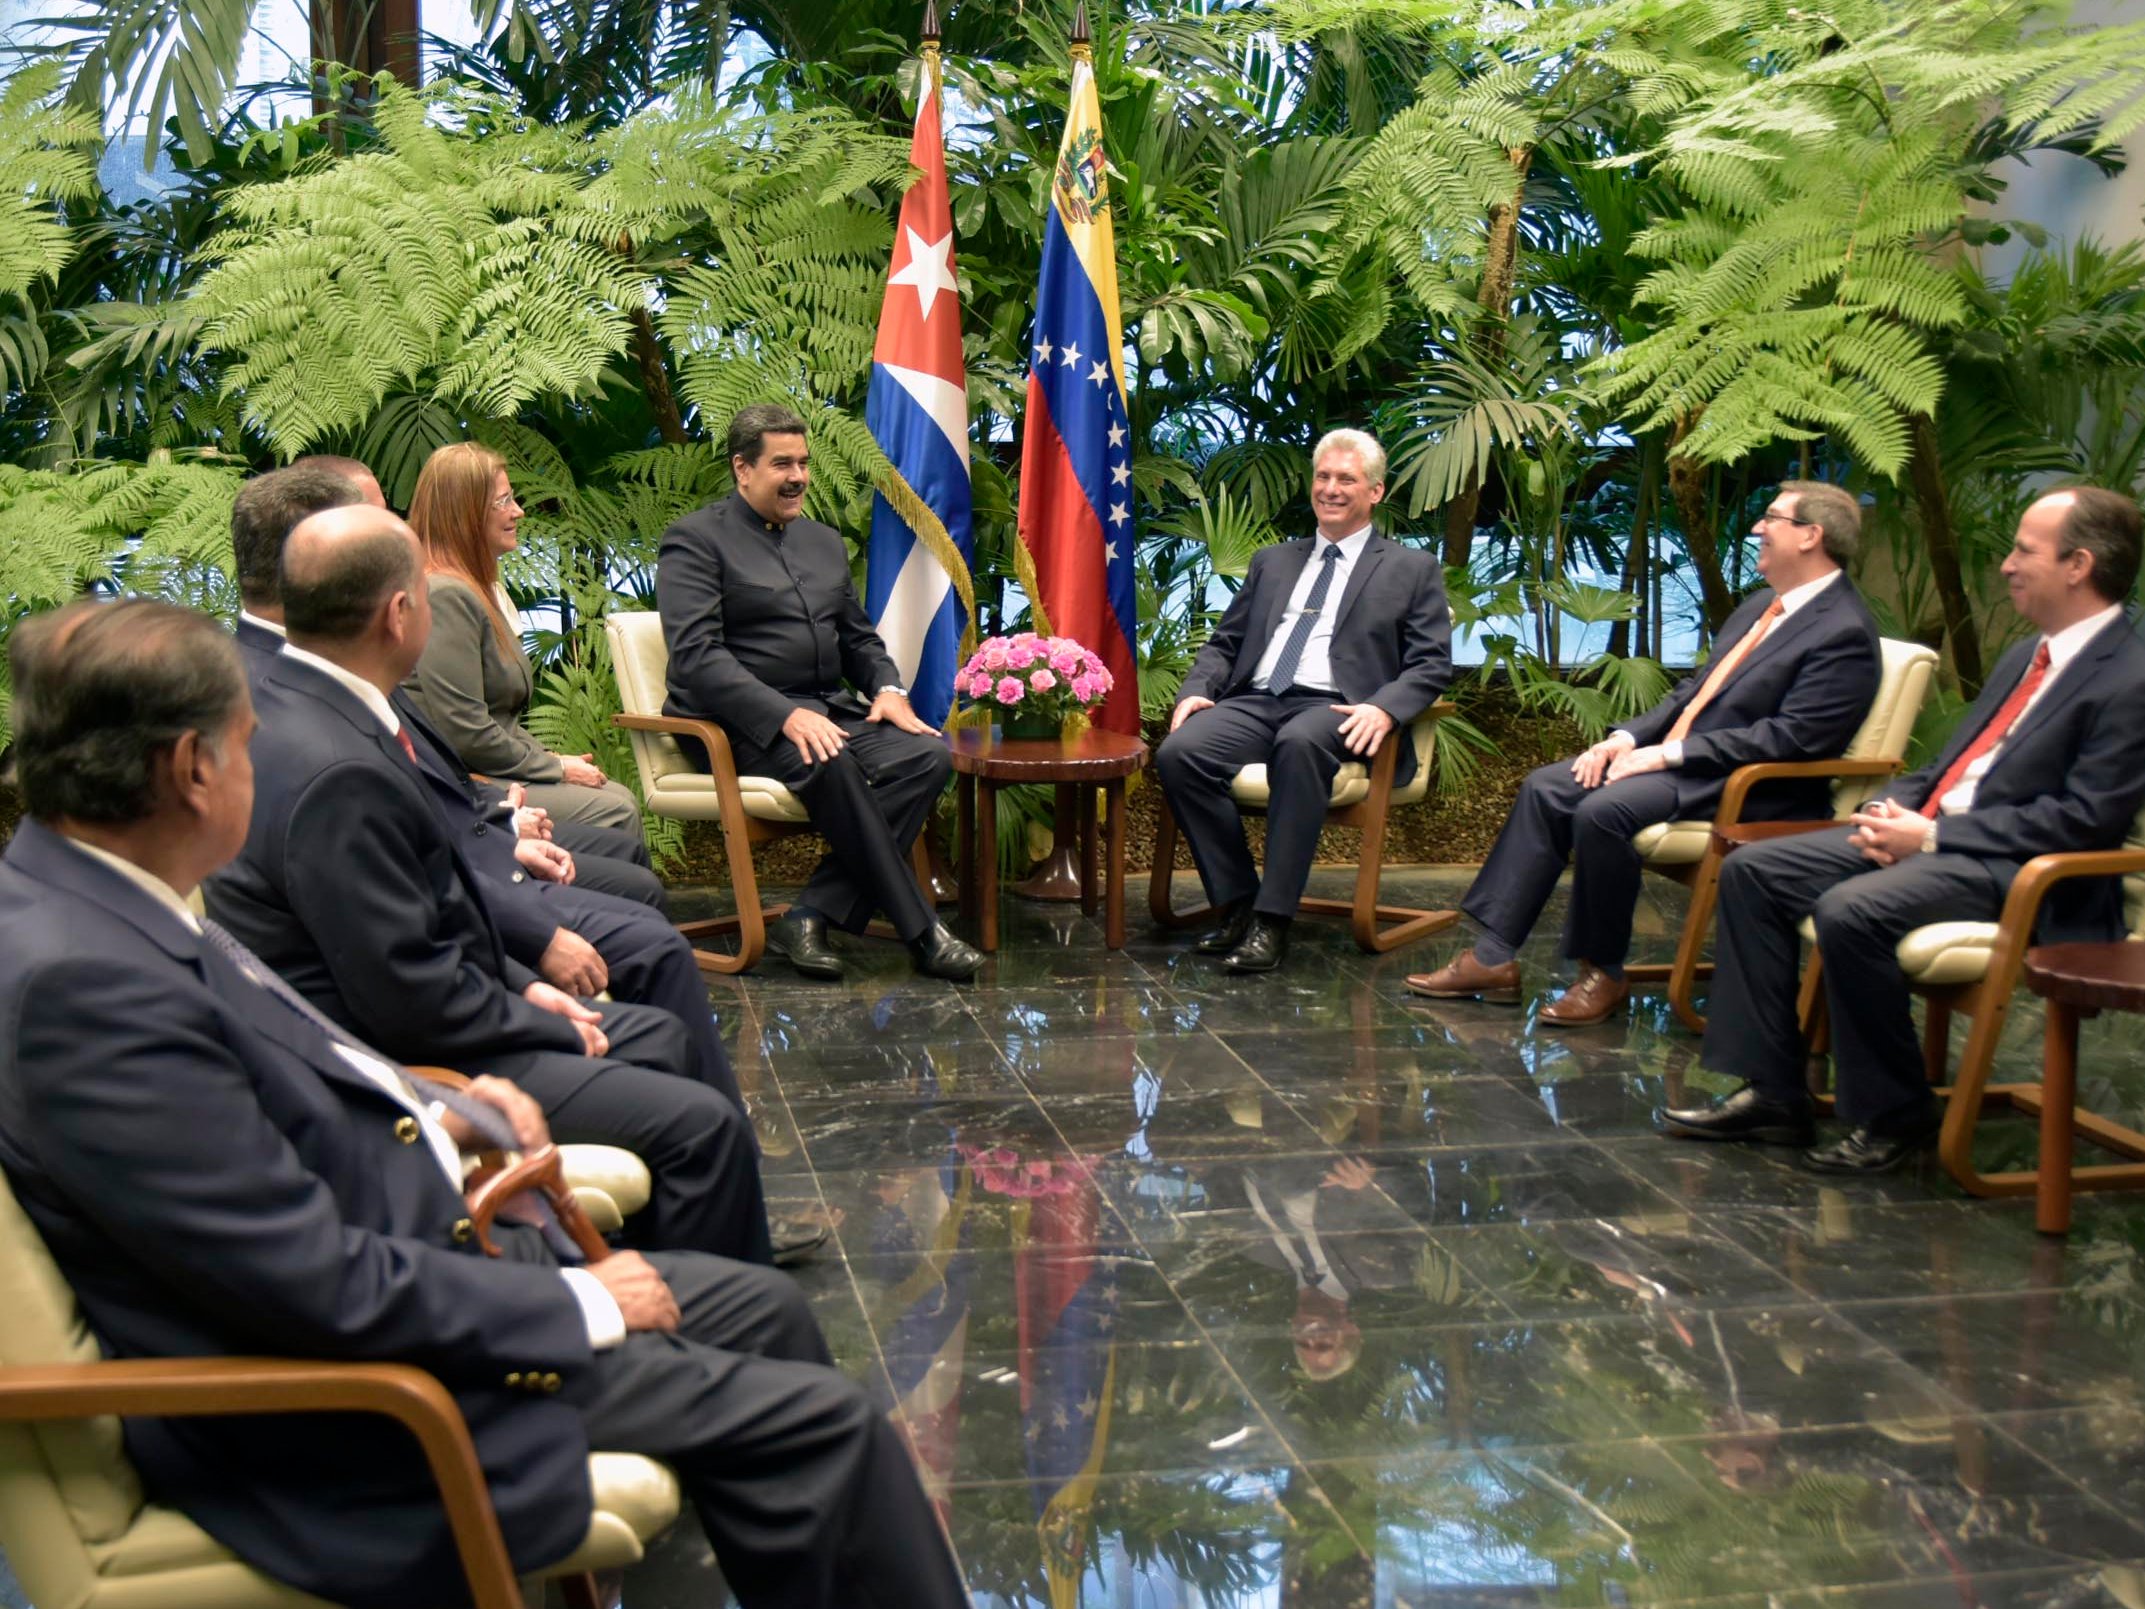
column 1065, row 538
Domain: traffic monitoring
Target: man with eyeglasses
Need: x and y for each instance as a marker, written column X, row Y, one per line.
column 2051, row 758
column 1793, row 674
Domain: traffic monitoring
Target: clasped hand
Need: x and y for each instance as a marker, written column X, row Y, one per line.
column 1885, row 830
column 547, row 997
column 531, row 1133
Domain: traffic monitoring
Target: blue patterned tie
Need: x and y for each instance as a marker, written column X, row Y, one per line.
column 1299, row 637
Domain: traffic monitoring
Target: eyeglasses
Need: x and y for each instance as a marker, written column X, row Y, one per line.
column 1770, row 518
column 504, row 501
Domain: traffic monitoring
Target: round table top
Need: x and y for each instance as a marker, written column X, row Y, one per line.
column 1093, row 756
column 2110, row 977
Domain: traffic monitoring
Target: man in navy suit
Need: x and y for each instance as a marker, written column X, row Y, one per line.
column 352, row 888
column 1331, row 643
column 2050, row 758
column 1793, row 673
column 589, row 856
column 215, row 1175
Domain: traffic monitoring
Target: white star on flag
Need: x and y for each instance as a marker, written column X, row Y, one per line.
column 1117, row 435
column 1100, row 374
column 1070, row 355
column 1043, row 350
column 928, row 271
column 1109, row 552
column 1120, row 473
column 1119, row 514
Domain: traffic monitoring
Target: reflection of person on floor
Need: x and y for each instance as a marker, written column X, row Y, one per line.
column 1290, row 1198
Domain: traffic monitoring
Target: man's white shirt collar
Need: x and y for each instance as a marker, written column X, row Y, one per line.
column 367, row 694
column 1351, row 545
column 276, row 626
column 147, row 881
column 1795, row 597
column 2067, row 644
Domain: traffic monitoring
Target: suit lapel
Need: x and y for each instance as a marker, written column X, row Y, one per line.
column 1795, row 624
column 2076, row 677
column 1359, row 578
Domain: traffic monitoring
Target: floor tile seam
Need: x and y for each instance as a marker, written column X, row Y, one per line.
column 1206, row 1335
column 1842, row 1314
column 1995, row 1422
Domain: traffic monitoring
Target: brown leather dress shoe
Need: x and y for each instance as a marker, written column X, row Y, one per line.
column 1590, row 999
column 1465, row 978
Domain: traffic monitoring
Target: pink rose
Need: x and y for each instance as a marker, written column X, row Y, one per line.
column 979, row 685
column 1009, row 691
column 993, row 655
column 1065, row 661
column 1042, row 681
column 1083, row 689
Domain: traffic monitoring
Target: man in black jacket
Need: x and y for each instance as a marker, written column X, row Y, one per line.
column 1331, row 643
column 1792, row 676
column 353, row 889
column 215, row 1175
column 767, row 639
column 2050, row 758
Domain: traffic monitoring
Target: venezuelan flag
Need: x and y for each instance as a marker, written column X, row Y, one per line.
column 1076, row 455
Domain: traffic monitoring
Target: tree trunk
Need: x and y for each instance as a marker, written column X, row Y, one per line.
column 1500, row 266
column 1687, row 485
column 1933, row 504
column 1634, row 581
column 655, row 380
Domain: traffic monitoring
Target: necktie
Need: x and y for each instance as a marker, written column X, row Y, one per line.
column 1995, row 732
column 1299, row 637
column 402, row 736
column 1723, row 668
column 488, row 1123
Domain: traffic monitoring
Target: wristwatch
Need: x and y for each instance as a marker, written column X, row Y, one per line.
column 891, row 688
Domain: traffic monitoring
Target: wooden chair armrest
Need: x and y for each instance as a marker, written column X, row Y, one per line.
column 1730, row 838
column 181, row 1388
column 1745, row 777
column 505, row 1176
column 2022, row 905
column 722, row 761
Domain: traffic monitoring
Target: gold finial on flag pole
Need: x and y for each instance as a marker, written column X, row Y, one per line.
column 1083, row 41
column 930, row 48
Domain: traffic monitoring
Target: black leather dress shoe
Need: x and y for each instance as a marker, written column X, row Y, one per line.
column 795, row 1240
column 1265, row 945
column 1745, row 1115
column 940, row 955
column 1863, row 1152
column 802, row 941
column 1229, row 932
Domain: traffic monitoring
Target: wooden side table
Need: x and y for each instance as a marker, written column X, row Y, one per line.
column 2078, row 980
column 1093, row 759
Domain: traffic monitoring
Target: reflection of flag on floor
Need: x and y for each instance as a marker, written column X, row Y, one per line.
column 1076, row 453
column 1065, row 1283
column 923, row 1328
column 917, row 587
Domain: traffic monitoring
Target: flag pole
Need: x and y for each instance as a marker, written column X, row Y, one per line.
column 930, row 43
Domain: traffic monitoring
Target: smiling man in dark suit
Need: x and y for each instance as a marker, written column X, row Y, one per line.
column 216, row 1175
column 768, row 640
column 1793, row 673
column 1332, row 642
column 2050, row 758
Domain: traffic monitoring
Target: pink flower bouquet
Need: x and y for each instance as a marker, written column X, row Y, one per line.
column 1034, row 682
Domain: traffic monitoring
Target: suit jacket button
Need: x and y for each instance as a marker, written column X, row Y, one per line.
column 464, row 1231
column 514, row 1380
column 552, row 1382
column 406, row 1130
column 481, row 829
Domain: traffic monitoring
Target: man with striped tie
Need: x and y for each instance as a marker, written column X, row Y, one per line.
column 2050, row 758
column 1792, row 678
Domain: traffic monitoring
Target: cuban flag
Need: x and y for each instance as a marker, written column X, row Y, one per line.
column 916, row 582
column 1076, row 454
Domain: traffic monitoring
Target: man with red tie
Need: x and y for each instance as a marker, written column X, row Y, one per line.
column 2050, row 758
column 1796, row 668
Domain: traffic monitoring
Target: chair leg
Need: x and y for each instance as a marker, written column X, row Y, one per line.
column 1159, row 877
column 1810, row 1011
column 1990, row 1006
column 1690, row 964
column 1936, row 1038
column 1407, row 922
column 749, row 924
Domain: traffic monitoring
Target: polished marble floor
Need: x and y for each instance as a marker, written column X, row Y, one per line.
column 1295, row 1291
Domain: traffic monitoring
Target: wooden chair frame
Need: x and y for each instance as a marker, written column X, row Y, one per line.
column 1987, row 1000
column 1377, row 928
column 1682, row 976
column 206, row 1387
column 739, row 833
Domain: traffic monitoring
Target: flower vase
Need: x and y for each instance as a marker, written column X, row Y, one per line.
column 1035, row 724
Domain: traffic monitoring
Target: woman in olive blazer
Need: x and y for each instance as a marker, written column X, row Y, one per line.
column 474, row 681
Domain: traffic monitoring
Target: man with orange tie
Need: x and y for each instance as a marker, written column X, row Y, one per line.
column 1797, row 666
column 2050, row 758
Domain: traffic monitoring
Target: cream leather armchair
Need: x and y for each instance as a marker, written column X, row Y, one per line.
column 80, row 1534
column 1691, row 851
column 1974, row 969
column 1363, row 797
